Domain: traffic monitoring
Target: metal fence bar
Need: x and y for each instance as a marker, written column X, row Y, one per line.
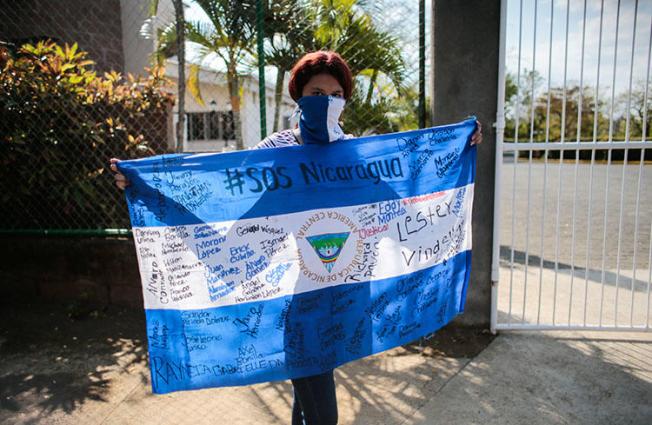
column 534, row 327
column 577, row 155
column 545, row 161
column 500, row 132
column 643, row 138
column 67, row 232
column 622, row 187
column 592, row 167
column 516, row 127
column 422, row 64
column 649, row 283
column 561, row 160
column 609, row 155
column 529, row 175
column 636, row 215
column 558, row 146
column 561, row 155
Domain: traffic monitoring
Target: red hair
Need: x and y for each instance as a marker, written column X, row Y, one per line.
column 320, row 62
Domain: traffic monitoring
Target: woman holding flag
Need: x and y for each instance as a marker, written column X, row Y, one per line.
column 321, row 82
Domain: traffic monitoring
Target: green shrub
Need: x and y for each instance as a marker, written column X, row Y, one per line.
column 59, row 124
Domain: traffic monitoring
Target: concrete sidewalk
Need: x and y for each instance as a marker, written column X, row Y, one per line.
column 550, row 378
column 94, row 371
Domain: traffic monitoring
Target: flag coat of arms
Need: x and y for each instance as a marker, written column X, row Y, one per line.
column 271, row 264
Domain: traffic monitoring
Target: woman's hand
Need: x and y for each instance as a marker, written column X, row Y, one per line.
column 476, row 139
column 120, row 179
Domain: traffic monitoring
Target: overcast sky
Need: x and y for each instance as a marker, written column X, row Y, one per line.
column 558, row 16
column 395, row 14
column 399, row 17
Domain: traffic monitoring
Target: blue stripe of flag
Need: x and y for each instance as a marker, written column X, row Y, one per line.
column 191, row 189
column 303, row 334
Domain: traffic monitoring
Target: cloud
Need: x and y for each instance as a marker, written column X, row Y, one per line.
column 556, row 53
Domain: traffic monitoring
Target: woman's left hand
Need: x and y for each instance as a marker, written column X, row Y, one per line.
column 476, row 139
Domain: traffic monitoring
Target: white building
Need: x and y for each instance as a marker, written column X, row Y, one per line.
column 209, row 127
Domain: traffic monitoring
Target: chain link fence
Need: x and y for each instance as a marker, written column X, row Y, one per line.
column 83, row 81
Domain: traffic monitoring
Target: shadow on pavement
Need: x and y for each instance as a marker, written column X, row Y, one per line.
column 537, row 378
column 59, row 357
column 610, row 278
column 59, row 370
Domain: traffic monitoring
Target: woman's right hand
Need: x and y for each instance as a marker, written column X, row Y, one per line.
column 120, row 180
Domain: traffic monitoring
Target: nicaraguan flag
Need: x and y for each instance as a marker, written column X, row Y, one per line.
column 271, row 264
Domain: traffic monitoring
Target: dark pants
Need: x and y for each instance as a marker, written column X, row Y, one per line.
column 314, row 400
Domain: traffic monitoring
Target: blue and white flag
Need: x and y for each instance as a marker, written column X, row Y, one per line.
column 271, row 264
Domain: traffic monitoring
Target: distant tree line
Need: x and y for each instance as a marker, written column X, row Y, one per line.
column 558, row 111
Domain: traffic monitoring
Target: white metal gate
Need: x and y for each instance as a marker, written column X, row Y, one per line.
column 573, row 203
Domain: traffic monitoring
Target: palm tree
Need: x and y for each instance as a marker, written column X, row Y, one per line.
column 180, row 22
column 372, row 54
column 346, row 28
column 179, row 49
column 289, row 34
column 294, row 27
column 228, row 33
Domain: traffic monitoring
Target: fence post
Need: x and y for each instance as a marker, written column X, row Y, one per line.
column 422, row 63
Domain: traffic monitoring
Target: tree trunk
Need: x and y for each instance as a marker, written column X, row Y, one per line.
column 278, row 95
column 181, row 54
column 234, row 93
column 372, row 81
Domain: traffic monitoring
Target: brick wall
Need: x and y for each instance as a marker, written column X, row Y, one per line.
column 101, row 271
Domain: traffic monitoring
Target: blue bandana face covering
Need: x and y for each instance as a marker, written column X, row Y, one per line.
column 319, row 121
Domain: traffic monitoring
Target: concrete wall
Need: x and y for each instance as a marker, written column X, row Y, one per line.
column 137, row 49
column 94, row 24
column 99, row 271
column 465, row 82
column 251, row 110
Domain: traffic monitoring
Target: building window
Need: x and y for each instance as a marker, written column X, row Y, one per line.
column 227, row 126
column 214, row 125
column 214, row 132
column 285, row 123
column 196, row 127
